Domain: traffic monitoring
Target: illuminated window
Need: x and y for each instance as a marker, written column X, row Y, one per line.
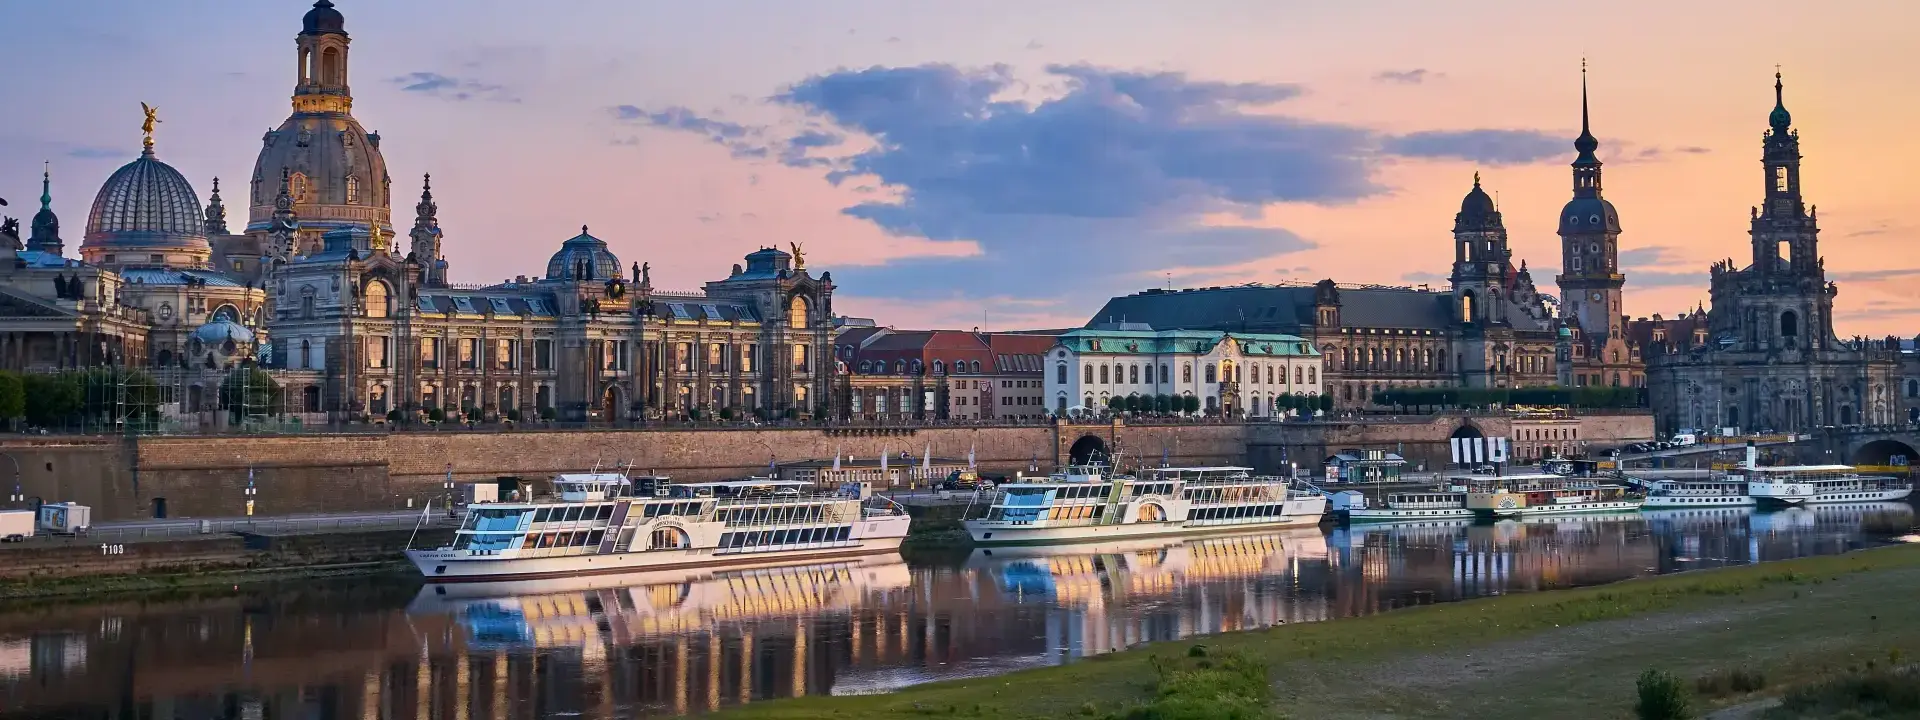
column 1780, row 178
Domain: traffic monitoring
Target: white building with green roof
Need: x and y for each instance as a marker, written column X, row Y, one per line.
column 1232, row 373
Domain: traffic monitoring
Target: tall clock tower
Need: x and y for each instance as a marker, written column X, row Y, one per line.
column 1590, row 278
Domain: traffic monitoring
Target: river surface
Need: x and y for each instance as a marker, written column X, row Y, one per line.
column 663, row 644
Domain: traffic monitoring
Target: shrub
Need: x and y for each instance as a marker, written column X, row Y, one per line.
column 437, row 415
column 547, row 413
column 1886, row 692
column 1189, row 404
column 1729, row 682
column 1662, row 697
column 726, row 413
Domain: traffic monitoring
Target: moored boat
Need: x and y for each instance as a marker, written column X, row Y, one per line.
column 1544, row 494
column 1817, row 484
column 1411, row 505
column 596, row 523
column 1716, row 492
column 1084, row 503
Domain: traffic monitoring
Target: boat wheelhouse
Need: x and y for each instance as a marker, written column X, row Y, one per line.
column 1815, row 484
column 596, row 523
column 1083, row 502
column 1544, row 494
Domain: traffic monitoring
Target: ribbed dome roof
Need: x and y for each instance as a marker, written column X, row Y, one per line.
column 580, row 251
column 323, row 20
column 146, row 202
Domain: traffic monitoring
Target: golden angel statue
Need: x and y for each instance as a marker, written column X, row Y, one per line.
column 799, row 259
column 153, row 116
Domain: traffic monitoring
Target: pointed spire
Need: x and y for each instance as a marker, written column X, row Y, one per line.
column 1586, row 143
column 45, row 234
column 427, row 212
column 216, row 212
column 46, row 186
column 1781, row 120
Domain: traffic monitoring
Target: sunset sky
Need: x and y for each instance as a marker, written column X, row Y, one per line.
column 1015, row 164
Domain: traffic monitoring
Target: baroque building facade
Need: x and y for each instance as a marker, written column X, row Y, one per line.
column 364, row 327
column 1236, row 374
column 1765, row 355
column 1490, row 327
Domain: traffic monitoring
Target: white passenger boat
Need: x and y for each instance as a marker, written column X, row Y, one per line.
column 1544, row 494
column 1083, row 503
column 596, row 523
column 1816, row 484
column 1717, row 492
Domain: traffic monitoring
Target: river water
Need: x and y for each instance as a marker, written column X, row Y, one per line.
column 663, row 644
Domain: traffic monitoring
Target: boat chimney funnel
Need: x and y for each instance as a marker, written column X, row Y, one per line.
column 1753, row 455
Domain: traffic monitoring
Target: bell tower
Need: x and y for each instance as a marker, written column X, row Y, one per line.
column 1482, row 262
column 1784, row 217
column 1590, row 279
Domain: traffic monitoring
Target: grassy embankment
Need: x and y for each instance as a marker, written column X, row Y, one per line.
column 15, row 594
column 1799, row 624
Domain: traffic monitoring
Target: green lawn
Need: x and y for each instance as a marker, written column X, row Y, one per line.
column 1559, row 654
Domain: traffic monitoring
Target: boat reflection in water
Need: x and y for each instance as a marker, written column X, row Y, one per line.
column 664, row 643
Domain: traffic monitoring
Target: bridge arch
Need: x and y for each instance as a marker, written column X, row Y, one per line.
column 1467, row 430
column 1088, row 447
column 1885, row 451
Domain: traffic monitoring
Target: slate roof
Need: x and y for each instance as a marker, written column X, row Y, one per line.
column 1276, row 309
column 168, row 276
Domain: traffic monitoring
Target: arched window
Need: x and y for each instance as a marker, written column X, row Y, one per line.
column 1212, row 375
column 1149, row 373
column 1186, row 372
column 1089, row 403
column 1089, row 374
column 1061, row 375
column 1789, row 324
column 330, row 66
column 797, row 312
column 1466, row 307
column 1103, row 375
column 959, row 366
column 1346, row 359
column 353, row 190
column 1133, row 374
column 939, row 368
column 1913, row 388
column 378, row 303
column 975, row 367
column 1164, row 375
column 306, row 351
column 1312, row 375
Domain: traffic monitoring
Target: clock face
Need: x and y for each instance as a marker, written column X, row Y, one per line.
column 166, row 311
column 1596, row 297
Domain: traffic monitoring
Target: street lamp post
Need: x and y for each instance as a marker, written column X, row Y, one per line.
column 18, row 495
column 251, row 492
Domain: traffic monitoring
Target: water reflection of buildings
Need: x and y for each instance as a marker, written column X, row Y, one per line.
column 664, row 643
column 1100, row 597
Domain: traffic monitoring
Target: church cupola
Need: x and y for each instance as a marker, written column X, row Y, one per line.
column 322, row 52
column 1780, row 119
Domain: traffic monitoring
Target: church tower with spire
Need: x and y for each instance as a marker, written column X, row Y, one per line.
column 1590, row 279
column 426, row 238
column 1482, row 262
column 46, row 225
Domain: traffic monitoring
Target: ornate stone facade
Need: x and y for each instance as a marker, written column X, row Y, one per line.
column 1766, row 356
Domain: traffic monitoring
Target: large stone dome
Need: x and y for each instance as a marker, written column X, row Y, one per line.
column 583, row 257
column 146, row 204
column 336, row 174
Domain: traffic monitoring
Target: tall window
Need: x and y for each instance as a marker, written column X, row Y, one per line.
column 377, row 351
column 306, row 352
column 504, row 356
column 430, row 353
column 683, row 356
column 377, row 300
column 1312, row 375
column 800, row 358
column 747, row 353
column 716, row 357
column 469, row 350
column 543, row 355
column 1089, row 374
column 1780, row 178
column 1104, row 377
column 1133, row 374
column 1296, row 374
column 1186, row 372
column 353, row 190
column 797, row 312
column 1164, row 375
column 1212, row 374
column 1061, row 373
